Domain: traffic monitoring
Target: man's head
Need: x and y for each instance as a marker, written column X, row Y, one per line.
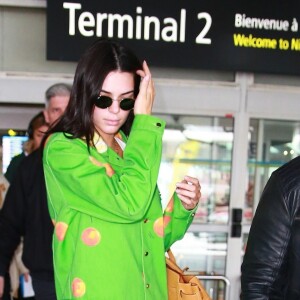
column 57, row 99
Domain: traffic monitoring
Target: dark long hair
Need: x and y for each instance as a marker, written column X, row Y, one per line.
column 101, row 58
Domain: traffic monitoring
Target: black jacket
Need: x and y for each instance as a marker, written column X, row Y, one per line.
column 271, row 265
column 25, row 213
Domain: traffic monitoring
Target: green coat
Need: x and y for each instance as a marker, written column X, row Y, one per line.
column 110, row 231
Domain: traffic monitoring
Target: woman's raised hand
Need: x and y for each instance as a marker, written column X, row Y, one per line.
column 144, row 101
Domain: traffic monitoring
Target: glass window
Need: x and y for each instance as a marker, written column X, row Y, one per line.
column 272, row 143
column 204, row 253
column 199, row 147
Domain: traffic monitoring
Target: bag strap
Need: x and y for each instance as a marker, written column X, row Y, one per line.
column 171, row 256
column 171, row 263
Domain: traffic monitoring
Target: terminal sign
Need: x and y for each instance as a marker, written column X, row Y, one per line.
column 208, row 34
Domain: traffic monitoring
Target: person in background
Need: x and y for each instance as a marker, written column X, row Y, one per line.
column 271, row 265
column 4, row 184
column 25, row 212
column 101, row 165
column 35, row 131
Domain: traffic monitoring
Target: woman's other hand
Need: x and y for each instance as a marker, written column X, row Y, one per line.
column 189, row 192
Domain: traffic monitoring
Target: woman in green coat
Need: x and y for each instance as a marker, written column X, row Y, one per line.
column 110, row 233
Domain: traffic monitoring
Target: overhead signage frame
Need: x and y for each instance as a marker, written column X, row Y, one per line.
column 249, row 36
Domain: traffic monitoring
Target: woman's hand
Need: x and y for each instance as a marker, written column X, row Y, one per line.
column 189, row 192
column 144, row 101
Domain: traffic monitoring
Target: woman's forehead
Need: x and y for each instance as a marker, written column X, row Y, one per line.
column 118, row 82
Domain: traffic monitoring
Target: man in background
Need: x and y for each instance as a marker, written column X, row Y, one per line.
column 25, row 211
column 35, row 131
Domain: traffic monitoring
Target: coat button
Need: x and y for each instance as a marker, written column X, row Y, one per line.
column 193, row 215
column 146, row 221
column 147, row 285
column 146, row 253
column 158, row 124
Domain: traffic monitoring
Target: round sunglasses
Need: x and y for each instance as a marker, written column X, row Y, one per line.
column 105, row 102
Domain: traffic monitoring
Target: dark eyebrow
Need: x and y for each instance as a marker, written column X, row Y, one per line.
column 129, row 92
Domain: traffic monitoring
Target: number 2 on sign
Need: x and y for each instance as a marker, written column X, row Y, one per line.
column 201, row 39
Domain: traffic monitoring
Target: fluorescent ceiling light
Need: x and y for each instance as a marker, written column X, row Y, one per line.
column 173, row 135
column 207, row 134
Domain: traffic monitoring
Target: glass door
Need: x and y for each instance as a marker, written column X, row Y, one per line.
column 272, row 144
column 201, row 147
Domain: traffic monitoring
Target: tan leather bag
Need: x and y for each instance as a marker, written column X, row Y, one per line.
column 183, row 286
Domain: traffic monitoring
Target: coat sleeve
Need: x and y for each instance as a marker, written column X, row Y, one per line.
column 75, row 180
column 267, row 243
column 176, row 221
